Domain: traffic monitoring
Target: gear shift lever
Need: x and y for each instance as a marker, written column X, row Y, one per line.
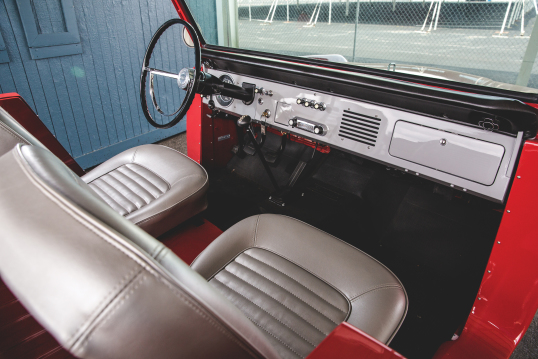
column 245, row 121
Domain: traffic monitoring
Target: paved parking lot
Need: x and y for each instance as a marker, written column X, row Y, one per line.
column 475, row 51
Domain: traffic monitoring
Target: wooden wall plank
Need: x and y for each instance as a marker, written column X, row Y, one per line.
column 95, row 63
column 90, row 101
column 25, row 73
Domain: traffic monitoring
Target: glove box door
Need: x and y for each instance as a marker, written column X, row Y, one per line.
column 458, row 155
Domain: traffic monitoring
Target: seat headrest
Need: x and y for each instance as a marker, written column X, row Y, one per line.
column 87, row 280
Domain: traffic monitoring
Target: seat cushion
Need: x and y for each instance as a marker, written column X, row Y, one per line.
column 297, row 283
column 153, row 186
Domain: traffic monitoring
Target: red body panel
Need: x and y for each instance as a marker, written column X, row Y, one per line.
column 348, row 342
column 194, row 130
column 15, row 105
column 508, row 296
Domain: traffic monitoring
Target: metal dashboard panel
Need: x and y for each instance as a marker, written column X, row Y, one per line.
column 343, row 116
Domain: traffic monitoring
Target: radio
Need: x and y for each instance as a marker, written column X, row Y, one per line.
column 307, row 125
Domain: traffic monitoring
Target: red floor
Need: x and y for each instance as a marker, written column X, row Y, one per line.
column 188, row 240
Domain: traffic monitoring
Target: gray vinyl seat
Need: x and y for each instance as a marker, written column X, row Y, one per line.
column 153, row 186
column 269, row 287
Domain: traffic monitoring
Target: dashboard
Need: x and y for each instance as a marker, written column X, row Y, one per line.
column 471, row 159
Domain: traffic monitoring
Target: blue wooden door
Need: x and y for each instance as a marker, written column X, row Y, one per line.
column 83, row 80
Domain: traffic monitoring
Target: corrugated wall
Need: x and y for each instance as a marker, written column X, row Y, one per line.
column 90, row 100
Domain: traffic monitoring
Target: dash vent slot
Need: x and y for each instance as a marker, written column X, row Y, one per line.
column 358, row 127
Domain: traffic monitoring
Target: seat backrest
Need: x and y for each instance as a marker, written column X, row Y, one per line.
column 12, row 132
column 100, row 285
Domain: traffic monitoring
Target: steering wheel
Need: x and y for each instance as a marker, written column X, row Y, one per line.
column 187, row 79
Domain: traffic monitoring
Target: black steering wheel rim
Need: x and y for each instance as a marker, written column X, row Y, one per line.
column 191, row 89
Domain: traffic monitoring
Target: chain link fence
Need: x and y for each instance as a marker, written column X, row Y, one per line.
column 480, row 38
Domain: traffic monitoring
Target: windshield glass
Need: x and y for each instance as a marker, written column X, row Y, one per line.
column 488, row 43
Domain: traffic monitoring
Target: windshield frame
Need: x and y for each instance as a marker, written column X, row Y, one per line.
column 183, row 10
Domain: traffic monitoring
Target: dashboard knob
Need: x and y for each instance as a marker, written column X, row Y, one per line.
column 292, row 122
column 318, row 130
column 299, row 101
column 320, row 106
column 268, row 92
column 260, row 90
column 307, row 103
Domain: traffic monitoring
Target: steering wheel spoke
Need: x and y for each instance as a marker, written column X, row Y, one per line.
column 153, row 71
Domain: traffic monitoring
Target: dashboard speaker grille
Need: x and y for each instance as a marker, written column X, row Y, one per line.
column 361, row 128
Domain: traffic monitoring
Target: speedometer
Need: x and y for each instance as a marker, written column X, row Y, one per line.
column 225, row 100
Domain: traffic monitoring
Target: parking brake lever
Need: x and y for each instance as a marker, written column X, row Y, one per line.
column 245, row 122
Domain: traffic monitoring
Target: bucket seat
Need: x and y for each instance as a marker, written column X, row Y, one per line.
column 153, row 186
column 269, row 287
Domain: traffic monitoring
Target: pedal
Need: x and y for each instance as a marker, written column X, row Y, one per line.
column 274, row 146
column 249, row 150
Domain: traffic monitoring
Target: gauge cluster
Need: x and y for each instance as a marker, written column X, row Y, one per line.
column 225, row 101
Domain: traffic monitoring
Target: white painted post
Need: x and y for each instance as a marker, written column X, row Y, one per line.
column 535, row 7
column 528, row 59
column 274, row 10
column 513, row 15
column 356, row 25
column 270, row 9
column 319, row 8
column 347, row 7
column 522, row 19
column 427, row 15
column 287, row 10
column 313, row 12
column 433, row 17
column 330, row 10
column 506, row 16
column 438, row 12
column 249, row 12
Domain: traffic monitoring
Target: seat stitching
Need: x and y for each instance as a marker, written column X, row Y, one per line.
column 144, row 177
column 271, row 315
column 380, row 286
column 256, row 229
column 124, row 171
column 302, row 285
column 271, row 334
column 349, row 245
column 127, row 279
column 377, row 289
column 129, row 188
column 147, row 169
column 114, row 188
column 175, row 204
column 200, row 311
column 11, row 132
column 131, row 192
column 134, row 155
column 261, row 275
column 233, row 258
column 116, row 305
column 112, row 199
